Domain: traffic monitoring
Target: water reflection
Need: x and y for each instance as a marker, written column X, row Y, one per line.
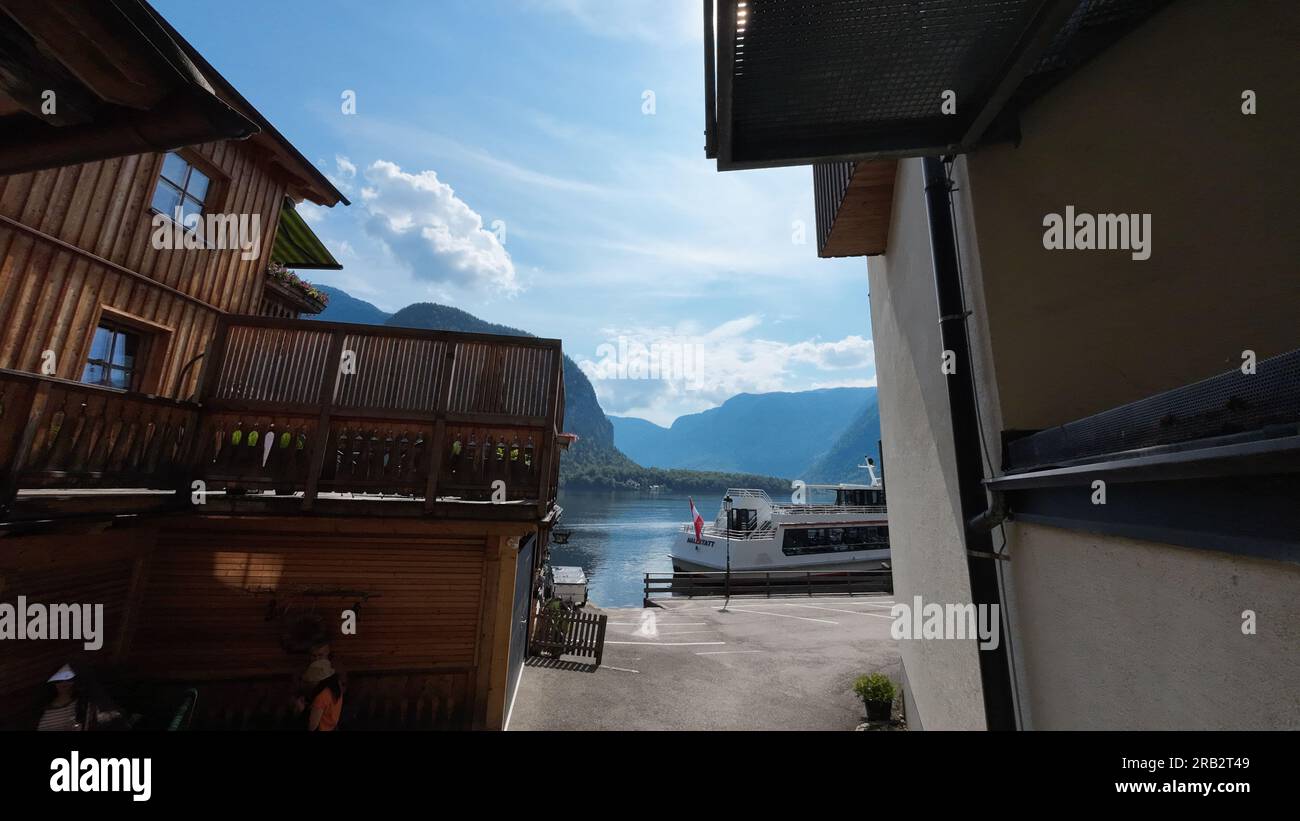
column 620, row 536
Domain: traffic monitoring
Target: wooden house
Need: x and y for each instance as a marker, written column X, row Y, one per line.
column 225, row 478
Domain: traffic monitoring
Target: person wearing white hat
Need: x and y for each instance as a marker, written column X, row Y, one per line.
column 64, row 711
column 326, row 697
column 71, row 709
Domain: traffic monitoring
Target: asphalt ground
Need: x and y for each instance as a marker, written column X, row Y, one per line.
column 705, row 664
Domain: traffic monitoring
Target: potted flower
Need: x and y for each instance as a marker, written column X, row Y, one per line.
column 279, row 273
column 877, row 692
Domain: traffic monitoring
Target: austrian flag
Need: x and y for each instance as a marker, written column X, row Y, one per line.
column 698, row 519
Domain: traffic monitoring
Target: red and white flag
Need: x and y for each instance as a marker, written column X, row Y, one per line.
column 698, row 519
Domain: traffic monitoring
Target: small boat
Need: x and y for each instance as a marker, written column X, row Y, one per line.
column 561, row 536
column 760, row 535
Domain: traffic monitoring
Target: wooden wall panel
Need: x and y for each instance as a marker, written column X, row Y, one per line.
column 220, row 599
column 50, row 294
column 25, row 665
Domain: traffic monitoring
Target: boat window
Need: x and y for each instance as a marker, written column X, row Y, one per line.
column 834, row 540
column 742, row 519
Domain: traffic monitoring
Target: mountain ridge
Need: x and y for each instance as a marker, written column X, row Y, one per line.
column 801, row 434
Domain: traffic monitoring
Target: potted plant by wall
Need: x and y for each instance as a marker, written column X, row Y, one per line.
column 877, row 692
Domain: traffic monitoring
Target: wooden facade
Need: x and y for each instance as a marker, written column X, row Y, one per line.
column 75, row 246
column 402, row 487
column 215, row 604
column 258, row 470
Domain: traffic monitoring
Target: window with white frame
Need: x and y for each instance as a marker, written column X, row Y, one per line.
column 182, row 189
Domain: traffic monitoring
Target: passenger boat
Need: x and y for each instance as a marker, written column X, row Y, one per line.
column 850, row 534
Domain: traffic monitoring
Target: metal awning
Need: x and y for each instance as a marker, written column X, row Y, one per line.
column 297, row 246
column 795, row 82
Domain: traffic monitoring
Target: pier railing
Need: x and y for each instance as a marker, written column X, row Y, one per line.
column 767, row 583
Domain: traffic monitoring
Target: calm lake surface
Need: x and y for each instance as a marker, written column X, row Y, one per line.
column 618, row 536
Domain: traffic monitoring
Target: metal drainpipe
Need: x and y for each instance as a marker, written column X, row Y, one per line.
column 995, row 675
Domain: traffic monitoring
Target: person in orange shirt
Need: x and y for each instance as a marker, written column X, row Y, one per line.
column 326, row 704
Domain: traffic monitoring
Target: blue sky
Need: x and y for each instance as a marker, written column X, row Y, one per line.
column 501, row 159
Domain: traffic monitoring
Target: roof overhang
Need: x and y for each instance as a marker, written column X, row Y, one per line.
column 83, row 81
column 308, row 181
column 124, row 82
column 795, row 83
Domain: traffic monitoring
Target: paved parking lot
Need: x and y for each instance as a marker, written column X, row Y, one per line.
column 758, row 664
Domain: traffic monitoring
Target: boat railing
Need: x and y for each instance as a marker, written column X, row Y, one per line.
column 765, row 531
column 749, row 493
column 821, row 510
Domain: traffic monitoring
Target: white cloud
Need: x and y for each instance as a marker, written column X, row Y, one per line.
column 661, row 373
column 433, row 233
column 849, row 352
column 655, row 21
column 311, row 213
column 845, row 383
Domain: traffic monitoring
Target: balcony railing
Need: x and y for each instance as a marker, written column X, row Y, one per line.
column 830, row 184
column 307, row 409
column 55, row 433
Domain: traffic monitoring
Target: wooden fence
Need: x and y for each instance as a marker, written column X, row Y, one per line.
column 569, row 633
column 767, row 583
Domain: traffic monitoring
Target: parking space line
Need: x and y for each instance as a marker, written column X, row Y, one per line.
column 661, row 624
column 778, row 615
column 620, row 669
column 834, row 610
column 667, row 643
column 727, row 652
column 687, row 632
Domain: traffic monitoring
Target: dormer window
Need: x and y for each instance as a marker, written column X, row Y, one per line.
column 182, row 189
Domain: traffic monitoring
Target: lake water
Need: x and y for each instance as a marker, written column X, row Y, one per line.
column 618, row 536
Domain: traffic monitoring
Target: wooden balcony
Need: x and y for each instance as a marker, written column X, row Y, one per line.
column 854, row 202
column 304, row 415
